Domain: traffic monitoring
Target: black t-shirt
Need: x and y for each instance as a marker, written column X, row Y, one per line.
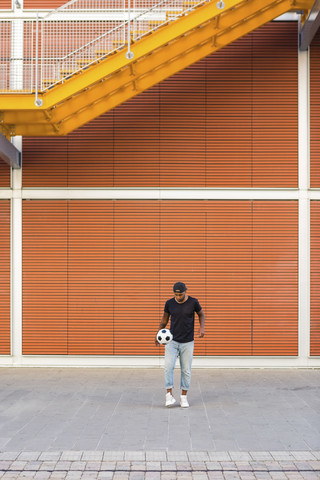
column 182, row 318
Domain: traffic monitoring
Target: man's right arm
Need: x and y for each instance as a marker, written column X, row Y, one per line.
column 163, row 324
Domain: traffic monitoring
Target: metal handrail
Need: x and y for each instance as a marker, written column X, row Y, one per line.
column 61, row 31
column 114, row 29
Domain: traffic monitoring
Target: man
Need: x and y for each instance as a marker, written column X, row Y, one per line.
column 180, row 309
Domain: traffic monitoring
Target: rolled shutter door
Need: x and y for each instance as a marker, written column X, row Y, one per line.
column 4, row 277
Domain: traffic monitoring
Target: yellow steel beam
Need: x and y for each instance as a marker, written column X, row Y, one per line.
column 83, row 98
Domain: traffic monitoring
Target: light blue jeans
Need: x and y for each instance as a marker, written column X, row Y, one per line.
column 185, row 353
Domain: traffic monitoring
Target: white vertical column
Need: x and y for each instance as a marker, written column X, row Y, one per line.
column 304, row 207
column 16, row 260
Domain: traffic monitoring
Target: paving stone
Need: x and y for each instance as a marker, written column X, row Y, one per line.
column 215, row 475
column 33, row 465
column 5, row 464
column 50, row 456
column 47, row 465
column 156, row 456
column 185, row 466
column 228, row 466
column 42, row 475
column 28, row 456
column 282, row 455
column 153, row 466
column 92, row 456
column 123, row 466
column 58, row 475
column 198, row 456
column 167, row 476
column 9, row 455
column 114, row 455
column 77, row 466
column 261, row 456
column 139, row 466
column 219, row 456
column 95, row 466
column 240, row 456
column 196, row 466
column 105, row 475
column 214, row 466
column 134, row 456
column 71, row 455
column 174, row 456
column 136, row 475
column 17, row 465
column 61, row 465
column 303, row 455
column 168, row 466
column 108, row 466
column 121, row 476
column 244, row 466
column 152, row 476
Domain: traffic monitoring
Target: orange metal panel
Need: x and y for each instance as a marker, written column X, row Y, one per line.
column 275, row 105
column 136, row 277
column 275, row 278
column 90, row 278
column 183, row 253
column 4, row 277
column 182, row 132
column 315, row 112
column 5, row 4
column 136, row 141
column 45, row 162
column 229, row 278
column 97, row 274
column 229, row 120
column 45, row 257
column 315, row 278
column 4, row 174
column 50, row 4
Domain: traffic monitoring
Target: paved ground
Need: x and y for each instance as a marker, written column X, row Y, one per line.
column 111, row 423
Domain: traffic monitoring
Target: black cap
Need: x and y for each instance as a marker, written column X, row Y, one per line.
column 179, row 287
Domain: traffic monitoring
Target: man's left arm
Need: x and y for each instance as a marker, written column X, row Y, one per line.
column 201, row 321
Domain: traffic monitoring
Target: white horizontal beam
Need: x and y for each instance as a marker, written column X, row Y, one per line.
column 157, row 361
column 160, row 194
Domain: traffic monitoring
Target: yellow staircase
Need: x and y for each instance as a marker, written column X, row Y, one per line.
column 114, row 79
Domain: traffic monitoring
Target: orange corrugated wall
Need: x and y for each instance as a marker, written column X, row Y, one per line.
column 229, row 120
column 35, row 4
column 4, row 174
column 315, row 112
column 315, row 278
column 4, row 277
column 5, row 4
column 275, row 278
column 45, row 277
column 97, row 274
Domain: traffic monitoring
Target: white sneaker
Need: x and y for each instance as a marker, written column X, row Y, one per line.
column 183, row 401
column 170, row 400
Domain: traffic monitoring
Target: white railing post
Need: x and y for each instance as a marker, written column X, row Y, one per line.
column 38, row 102
column 129, row 54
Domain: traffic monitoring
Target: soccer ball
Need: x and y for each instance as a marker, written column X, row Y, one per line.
column 164, row 336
